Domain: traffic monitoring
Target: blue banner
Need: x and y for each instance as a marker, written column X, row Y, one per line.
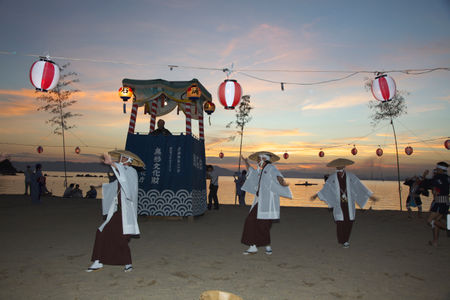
column 173, row 182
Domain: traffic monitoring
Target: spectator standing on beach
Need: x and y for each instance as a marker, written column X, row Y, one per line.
column 439, row 185
column 28, row 175
column 120, row 204
column 213, row 177
column 92, row 193
column 239, row 181
column 77, row 192
column 36, row 184
column 267, row 184
column 161, row 130
column 341, row 191
column 69, row 190
column 416, row 188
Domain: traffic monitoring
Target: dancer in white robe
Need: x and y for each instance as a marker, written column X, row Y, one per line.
column 267, row 184
column 120, row 205
column 341, row 191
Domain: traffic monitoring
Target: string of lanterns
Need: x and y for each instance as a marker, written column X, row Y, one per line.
column 40, row 149
column 45, row 74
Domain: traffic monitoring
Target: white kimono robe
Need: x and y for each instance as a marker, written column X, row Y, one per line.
column 270, row 191
column 356, row 193
column 128, row 179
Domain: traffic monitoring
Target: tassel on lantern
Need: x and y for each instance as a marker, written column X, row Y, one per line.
column 124, row 108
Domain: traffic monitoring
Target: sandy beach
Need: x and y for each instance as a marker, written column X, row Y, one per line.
column 47, row 247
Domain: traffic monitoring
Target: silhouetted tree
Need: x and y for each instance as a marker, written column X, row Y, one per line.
column 389, row 110
column 56, row 102
column 242, row 118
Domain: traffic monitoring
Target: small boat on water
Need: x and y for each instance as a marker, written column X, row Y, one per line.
column 306, row 183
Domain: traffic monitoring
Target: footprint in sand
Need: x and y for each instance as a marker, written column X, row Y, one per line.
column 181, row 274
column 309, row 284
column 286, row 266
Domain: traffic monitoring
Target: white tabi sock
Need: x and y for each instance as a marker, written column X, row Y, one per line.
column 95, row 266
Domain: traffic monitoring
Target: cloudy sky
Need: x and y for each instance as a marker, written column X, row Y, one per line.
column 106, row 41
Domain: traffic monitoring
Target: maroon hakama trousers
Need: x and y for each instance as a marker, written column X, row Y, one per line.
column 111, row 245
column 256, row 231
column 344, row 228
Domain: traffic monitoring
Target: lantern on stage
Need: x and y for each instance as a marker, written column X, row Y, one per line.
column 409, row 150
column 209, row 107
column 383, row 88
column 321, row 154
column 285, row 155
column 229, row 92
column 379, row 152
column 193, row 92
column 447, row 144
column 221, row 155
column 125, row 93
column 77, row 150
column 354, row 150
column 39, row 149
column 44, row 74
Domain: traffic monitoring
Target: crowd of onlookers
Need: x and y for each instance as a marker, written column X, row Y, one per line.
column 74, row 191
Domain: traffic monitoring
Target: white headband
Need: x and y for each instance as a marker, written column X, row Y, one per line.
column 441, row 167
column 264, row 157
column 129, row 159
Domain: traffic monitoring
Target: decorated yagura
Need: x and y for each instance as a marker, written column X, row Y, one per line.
column 173, row 182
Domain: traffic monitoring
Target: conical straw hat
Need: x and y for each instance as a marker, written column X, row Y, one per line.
column 218, row 295
column 340, row 162
column 137, row 161
column 273, row 157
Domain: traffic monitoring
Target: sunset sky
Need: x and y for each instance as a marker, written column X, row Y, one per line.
column 106, row 41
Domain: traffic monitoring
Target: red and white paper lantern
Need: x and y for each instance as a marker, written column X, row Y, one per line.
column 383, row 88
column 221, row 155
column 44, row 74
column 286, row 155
column 321, row 154
column 229, row 93
column 379, row 152
column 447, row 144
column 39, row 149
column 354, row 151
column 77, row 150
column 409, row 150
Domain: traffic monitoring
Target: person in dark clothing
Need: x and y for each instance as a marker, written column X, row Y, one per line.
column 416, row 188
column 161, row 130
column 211, row 174
column 439, row 185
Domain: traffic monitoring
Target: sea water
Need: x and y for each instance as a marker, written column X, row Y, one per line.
column 385, row 191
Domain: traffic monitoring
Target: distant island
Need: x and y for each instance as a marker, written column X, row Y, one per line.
column 6, row 168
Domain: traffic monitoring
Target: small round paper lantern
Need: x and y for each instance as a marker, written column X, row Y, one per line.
column 229, row 92
column 447, row 144
column 354, row 151
column 321, row 154
column 194, row 92
column 39, row 149
column 379, row 152
column 209, row 107
column 77, row 150
column 221, row 155
column 125, row 93
column 383, row 88
column 44, row 74
column 286, row 155
column 409, row 150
